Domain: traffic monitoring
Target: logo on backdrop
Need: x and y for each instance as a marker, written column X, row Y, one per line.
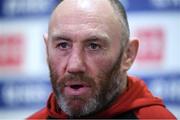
column 11, row 52
column 152, row 47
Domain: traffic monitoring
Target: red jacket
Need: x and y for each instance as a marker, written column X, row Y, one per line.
column 135, row 102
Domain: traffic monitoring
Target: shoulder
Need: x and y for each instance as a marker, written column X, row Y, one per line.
column 154, row 112
column 41, row 114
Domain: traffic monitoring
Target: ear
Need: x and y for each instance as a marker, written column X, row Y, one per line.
column 45, row 36
column 130, row 54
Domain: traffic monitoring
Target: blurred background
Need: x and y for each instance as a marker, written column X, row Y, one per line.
column 24, row 75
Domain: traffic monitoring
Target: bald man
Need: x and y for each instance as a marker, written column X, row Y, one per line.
column 89, row 53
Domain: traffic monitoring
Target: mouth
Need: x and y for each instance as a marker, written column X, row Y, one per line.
column 76, row 89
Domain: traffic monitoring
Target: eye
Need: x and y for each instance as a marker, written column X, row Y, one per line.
column 64, row 45
column 94, row 46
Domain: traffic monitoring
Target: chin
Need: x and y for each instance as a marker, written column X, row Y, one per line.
column 76, row 106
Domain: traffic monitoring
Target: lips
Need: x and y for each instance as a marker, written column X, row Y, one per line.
column 76, row 88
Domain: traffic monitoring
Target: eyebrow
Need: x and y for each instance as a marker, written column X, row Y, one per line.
column 99, row 37
column 57, row 37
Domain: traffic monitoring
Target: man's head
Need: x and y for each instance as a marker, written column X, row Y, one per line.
column 89, row 53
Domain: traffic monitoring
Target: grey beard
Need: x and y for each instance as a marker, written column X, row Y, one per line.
column 89, row 107
column 100, row 101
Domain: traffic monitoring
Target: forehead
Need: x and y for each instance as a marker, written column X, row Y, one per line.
column 83, row 15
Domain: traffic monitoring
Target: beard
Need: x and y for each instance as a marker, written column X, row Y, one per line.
column 111, row 84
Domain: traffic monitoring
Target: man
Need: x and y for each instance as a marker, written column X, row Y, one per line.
column 89, row 53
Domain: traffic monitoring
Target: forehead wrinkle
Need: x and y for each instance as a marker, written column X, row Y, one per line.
column 66, row 23
column 81, row 35
column 92, row 23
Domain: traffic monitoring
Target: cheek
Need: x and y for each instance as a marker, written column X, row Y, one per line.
column 104, row 64
column 57, row 63
column 100, row 65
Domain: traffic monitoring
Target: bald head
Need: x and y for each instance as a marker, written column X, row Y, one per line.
column 105, row 9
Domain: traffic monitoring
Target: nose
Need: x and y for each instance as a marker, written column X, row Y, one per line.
column 76, row 63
